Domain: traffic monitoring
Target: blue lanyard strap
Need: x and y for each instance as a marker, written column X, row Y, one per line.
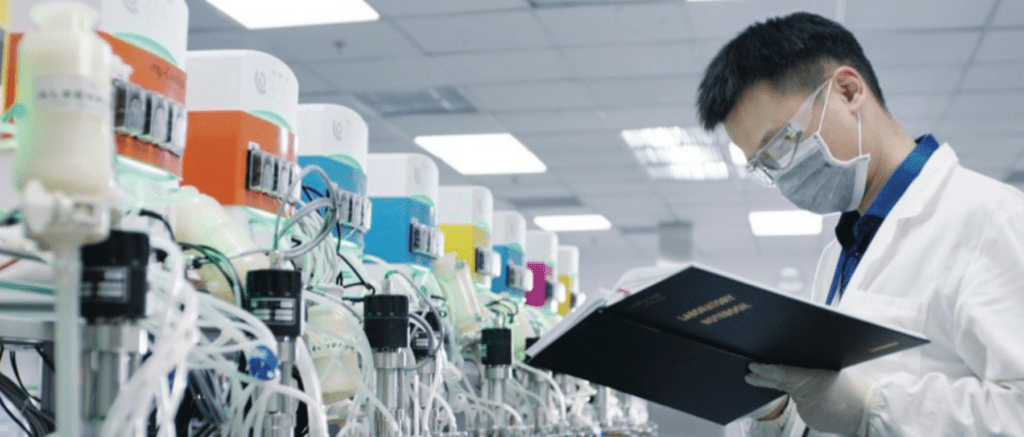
column 863, row 228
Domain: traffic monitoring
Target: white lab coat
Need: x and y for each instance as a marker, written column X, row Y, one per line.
column 947, row 262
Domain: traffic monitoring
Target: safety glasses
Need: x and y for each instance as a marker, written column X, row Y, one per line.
column 778, row 153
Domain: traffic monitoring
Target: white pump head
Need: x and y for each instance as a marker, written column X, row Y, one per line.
column 402, row 175
column 466, row 205
column 242, row 80
column 329, row 130
column 509, row 228
column 542, row 247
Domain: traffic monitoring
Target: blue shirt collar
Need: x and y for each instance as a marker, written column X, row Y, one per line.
column 856, row 231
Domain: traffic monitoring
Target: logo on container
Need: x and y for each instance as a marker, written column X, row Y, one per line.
column 337, row 129
column 132, row 6
column 260, row 80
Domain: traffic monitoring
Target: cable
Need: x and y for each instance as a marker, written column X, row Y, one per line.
column 17, row 375
column 46, row 358
column 216, row 257
column 430, row 304
column 155, row 215
column 11, row 218
column 21, row 254
column 4, row 405
column 358, row 276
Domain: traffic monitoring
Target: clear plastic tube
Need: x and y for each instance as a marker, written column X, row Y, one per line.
column 551, row 381
column 311, row 385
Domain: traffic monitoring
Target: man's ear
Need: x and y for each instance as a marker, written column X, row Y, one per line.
column 854, row 88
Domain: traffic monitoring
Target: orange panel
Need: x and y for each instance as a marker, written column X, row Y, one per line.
column 149, row 71
column 216, row 154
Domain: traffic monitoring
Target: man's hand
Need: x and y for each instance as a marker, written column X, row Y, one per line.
column 827, row 401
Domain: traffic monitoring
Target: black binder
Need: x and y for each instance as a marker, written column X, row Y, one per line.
column 685, row 342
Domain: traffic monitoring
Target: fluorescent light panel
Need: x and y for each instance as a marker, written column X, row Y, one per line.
column 691, row 154
column 481, row 154
column 784, row 223
column 263, row 14
column 569, row 223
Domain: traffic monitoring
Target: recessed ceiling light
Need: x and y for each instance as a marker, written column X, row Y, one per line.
column 481, row 154
column 692, row 154
column 263, row 14
column 570, row 223
column 784, row 223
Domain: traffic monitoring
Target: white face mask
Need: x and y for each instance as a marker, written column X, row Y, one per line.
column 817, row 181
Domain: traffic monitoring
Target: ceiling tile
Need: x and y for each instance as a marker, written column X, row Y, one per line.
column 391, row 74
column 699, row 195
column 994, row 77
column 552, row 121
column 476, row 32
column 309, row 81
column 801, row 246
column 338, row 98
column 203, row 16
column 402, row 8
column 446, row 124
column 519, row 179
column 918, row 48
column 609, row 187
column 725, row 19
column 645, row 91
column 651, row 116
column 531, row 190
column 914, row 107
column 618, row 168
column 617, row 24
column 964, row 126
column 715, row 243
column 537, row 95
column 644, row 242
column 573, row 144
column 1001, row 45
column 657, row 59
column 228, row 40
column 392, row 145
column 916, row 80
column 917, row 14
column 624, row 202
column 590, row 241
column 515, row 66
column 381, row 128
column 1010, row 13
column 377, row 39
column 987, row 103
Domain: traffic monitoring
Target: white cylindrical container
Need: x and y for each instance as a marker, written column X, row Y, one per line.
column 466, row 205
column 569, row 265
column 510, row 229
column 66, row 139
column 402, row 175
column 542, row 247
column 199, row 219
column 335, row 131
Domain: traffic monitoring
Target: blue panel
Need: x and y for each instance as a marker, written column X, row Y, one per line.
column 346, row 177
column 389, row 237
column 500, row 283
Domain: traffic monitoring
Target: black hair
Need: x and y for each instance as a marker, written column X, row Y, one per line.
column 791, row 53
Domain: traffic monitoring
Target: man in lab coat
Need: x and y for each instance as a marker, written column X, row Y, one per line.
column 923, row 244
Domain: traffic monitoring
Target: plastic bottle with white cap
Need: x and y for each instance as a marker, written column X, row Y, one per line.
column 66, row 139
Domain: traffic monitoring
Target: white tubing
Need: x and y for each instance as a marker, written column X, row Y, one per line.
column 311, row 385
column 550, row 381
column 67, row 267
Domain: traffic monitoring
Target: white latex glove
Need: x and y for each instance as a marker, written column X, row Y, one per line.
column 828, row 401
